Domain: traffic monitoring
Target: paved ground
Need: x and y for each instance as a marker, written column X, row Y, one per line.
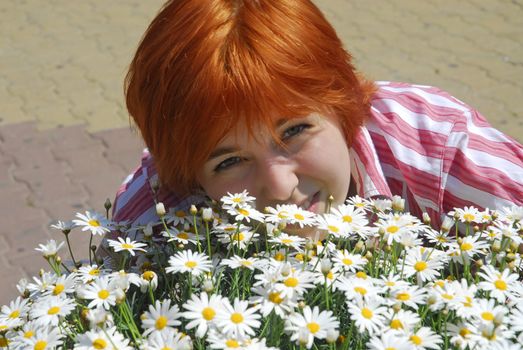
column 65, row 140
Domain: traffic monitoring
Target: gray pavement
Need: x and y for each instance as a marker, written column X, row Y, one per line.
column 65, row 138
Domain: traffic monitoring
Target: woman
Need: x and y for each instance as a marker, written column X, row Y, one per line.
column 260, row 95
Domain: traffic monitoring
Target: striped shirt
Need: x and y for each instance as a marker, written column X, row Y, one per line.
column 420, row 143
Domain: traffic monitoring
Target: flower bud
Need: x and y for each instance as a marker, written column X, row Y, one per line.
column 479, row 263
column 368, row 256
column 360, row 245
column 301, row 305
column 148, row 230
column 332, row 335
column 511, row 257
column 396, row 307
column 426, row 218
column 155, row 184
column 160, row 209
column 512, row 265
column 207, row 214
column 447, row 224
column 208, row 285
column 325, row 266
column 514, row 246
column 303, row 336
column 309, row 245
column 107, row 204
column 496, row 246
column 193, row 211
column 120, row 295
column 286, row 269
column 398, row 203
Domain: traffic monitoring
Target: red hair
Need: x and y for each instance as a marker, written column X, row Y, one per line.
column 203, row 66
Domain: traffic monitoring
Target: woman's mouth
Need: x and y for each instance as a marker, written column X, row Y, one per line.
column 312, row 204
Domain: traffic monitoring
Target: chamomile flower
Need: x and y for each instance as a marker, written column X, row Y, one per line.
column 241, row 239
column 411, row 296
column 316, row 324
column 148, row 279
column 160, row 317
column 277, row 215
column 236, row 262
column 425, row 338
column 15, row 312
column 237, row 200
column 284, row 239
column 222, row 341
column 51, row 310
column 179, row 236
column 295, row 282
column 467, row 215
column 391, row 227
column 268, row 298
column 41, row 284
column 368, row 315
column 63, row 285
column 64, row 226
column 333, row 225
column 100, row 292
column 201, row 311
column 389, row 341
column 355, row 287
column 44, row 339
column 463, row 335
column 301, row 217
column 348, row 262
column 92, row 221
column 439, row 238
column 496, row 283
column 189, row 261
column 102, row 339
column 488, row 312
column 401, row 321
column 354, row 217
column 169, row 339
column 503, row 229
column 88, row 273
column 238, row 319
column 467, row 249
column 50, row 248
column 126, row 245
column 421, row 263
column 392, row 281
column 246, row 213
column 177, row 217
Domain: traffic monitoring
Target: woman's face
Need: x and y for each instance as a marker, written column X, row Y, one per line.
column 313, row 165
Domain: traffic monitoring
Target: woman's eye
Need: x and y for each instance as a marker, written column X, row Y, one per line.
column 294, row 130
column 227, row 163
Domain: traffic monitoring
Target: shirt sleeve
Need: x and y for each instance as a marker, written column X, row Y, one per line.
column 482, row 167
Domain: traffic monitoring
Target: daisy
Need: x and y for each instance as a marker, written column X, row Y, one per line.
column 241, row 239
column 507, row 230
column 381, row 205
column 516, row 318
column 100, row 292
column 421, row 263
column 488, row 312
column 15, row 312
column 148, row 280
column 496, row 283
column 189, row 261
column 64, row 226
column 392, row 282
column 467, row 248
column 63, row 285
column 170, row 339
column 237, row 261
column 300, row 216
column 245, row 213
column 512, row 214
column 333, row 224
column 89, row 273
column 160, row 317
column 102, row 339
column 50, row 310
column 237, row 200
column 463, row 335
column 354, row 217
column 411, row 296
column 389, row 341
column 346, row 261
column 44, row 339
column 368, row 315
column 177, row 217
column 296, row 282
column 49, row 249
column 126, row 245
column 439, row 238
column 425, row 338
column 292, row 241
column 358, row 202
column 467, row 215
column 355, row 287
column 222, row 341
column 268, row 298
column 182, row 236
column 316, row 324
column 94, row 222
column 401, row 321
column 238, row 319
column 391, row 227
column 201, row 311
column 40, row 285
column 277, row 215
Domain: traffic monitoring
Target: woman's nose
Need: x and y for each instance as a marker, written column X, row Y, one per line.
column 276, row 181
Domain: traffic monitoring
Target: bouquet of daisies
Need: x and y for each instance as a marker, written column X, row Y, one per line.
column 226, row 276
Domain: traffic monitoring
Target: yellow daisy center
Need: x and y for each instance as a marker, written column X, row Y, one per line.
column 367, row 313
column 360, row 290
column 182, row 235
column 148, row 275
column 238, row 237
column 94, row 223
column 99, row 343
column 28, row 334
column 313, row 327
column 103, row 294
column 333, row 228
column 347, row 261
column 487, row 316
column 275, row 298
column 396, row 324
column 279, row 256
column 468, row 217
column 298, row 216
column 500, row 284
column 464, row 332
column 231, row 343
column 14, row 314
column 403, row 296
column 161, row 322
column 127, row 246
column 236, row 318
column 447, row 296
column 180, row 213
column 94, row 272
column 347, row 218
column 390, row 283
column 59, row 288
column 361, row 274
column 420, row 266
column 283, row 214
column 40, row 345
column 392, row 229
column 243, row 212
column 287, row 241
column 237, row 200
column 208, row 313
column 291, row 282
column 4, row 342
column 466, row 246
column 390, row 348
column 246, row 263
column 330, row 275
column 416, row 339
column 468, row 302
column 191, row 264
column 53, row 310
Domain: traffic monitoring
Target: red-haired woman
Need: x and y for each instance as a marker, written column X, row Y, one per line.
column 260, row 95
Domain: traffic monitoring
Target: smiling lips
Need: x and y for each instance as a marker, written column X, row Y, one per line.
column 312, row 204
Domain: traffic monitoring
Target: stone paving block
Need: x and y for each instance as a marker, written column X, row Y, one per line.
column 24, row 235
column 10, row 276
